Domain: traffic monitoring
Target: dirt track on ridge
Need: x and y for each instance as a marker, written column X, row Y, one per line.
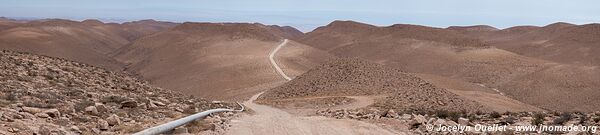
column 267, row 120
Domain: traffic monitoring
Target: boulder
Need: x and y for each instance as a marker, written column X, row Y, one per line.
column 75, row 129
column 440, row 122
column 101, row 107
column 42, row 115
column 420, row 118
column 92, row 110
column 129, row 104
column 158, row 103
column 391, row 114
column 113, row 120
column 102, row 124
column 463, row 121
column 180, row 130
column 54, row 113
column 406, row 117
column 32, row 110
column 451, row 123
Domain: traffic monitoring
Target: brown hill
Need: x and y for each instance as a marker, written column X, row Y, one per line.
column 479, row 28
column 43, row 95
column 90, row 41
column 490, row 67
column 287, row 31
column 354, row 77
column 559, row 42
column 218, row 60
column 341, row 33
column 6, row 23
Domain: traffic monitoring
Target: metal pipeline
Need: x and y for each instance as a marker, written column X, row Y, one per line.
column 176, row 123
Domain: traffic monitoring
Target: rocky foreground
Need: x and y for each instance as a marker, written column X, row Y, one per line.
column 417, row 122
column 44, row 95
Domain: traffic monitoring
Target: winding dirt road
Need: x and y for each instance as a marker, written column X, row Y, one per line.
column 267, row 120
column 272, row 60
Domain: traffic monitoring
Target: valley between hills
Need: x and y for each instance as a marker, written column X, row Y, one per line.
column 90, row 77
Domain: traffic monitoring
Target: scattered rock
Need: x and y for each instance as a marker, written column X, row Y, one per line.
column 75, row 129
column 180, row 130
column 82, row 99
column 101, row 107
column 158, row 103
column 129, row 104
column 451, row 123
column 31, row 110
column 13, row 130
column 53, row 113
column 113, row 120
column 440, row 122
column 102, row 124
column 42, row 115
column 92, row 110
column 44, row 130
column 391, row 114
column 406, row 117
column 420, row 118
column 463, row 121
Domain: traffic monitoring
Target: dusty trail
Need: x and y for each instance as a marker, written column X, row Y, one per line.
column 272, row 121
column 272, row 60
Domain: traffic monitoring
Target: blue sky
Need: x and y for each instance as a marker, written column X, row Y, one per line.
column 309, row 14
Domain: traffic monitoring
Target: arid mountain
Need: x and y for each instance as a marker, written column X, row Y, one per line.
column 455, row 55
column 559, row 42
column 354, row 77
column 339, row 34
column 217, row 60
column 6, row 23
column 89, row 41
column 44, row 95
column 287, row 31
column 475, row 28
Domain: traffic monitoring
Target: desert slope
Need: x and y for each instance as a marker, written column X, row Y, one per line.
column 44, row 95
column 459, row 56
column 218, row 60
column 89, row 41
column 559, row 42
column 354, row 77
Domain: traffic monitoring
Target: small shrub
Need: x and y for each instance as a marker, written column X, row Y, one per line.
column 473, row 117
column 510, row 120
column 478, row 112
column 583, row 119
column 454, row 116
column 538, row 119
column 597, row 119
column 442, row 114
column 495, row 115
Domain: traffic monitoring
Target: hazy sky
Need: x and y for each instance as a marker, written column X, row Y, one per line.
column 308, row 14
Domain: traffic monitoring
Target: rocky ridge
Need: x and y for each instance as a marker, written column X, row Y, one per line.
column 355, row 77
column 44, row 95
column 416, row 122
